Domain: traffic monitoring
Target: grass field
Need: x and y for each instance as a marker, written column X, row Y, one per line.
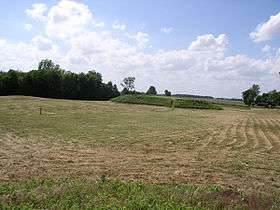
column 165, row 158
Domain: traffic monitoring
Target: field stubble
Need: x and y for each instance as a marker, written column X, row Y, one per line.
column 232, row 148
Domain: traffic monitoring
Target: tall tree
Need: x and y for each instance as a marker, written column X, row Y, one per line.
column 128, row 83
column 167, row 93
column 250, row 95
column 151, row 91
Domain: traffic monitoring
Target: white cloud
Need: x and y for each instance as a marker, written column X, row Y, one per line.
column 37, row 12
column 266, row 49
column 27, row 27
column 209, row 43
column 267, row 30
column 23, row 56
column 118, row 25
column 166, row 30
column 43, row 43
column 99, row 24
column 141, row 38
column 68, row 18
column 203, row 67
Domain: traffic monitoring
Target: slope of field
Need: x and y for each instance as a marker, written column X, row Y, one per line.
column 234, row 149
column 166, row 101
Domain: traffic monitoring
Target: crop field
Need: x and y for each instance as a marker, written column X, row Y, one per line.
column 231, row 149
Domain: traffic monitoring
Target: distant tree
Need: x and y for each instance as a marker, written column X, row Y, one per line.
column 151, row 91
column 128, row 84
column 48, row 65
column 249, row 96
column 167, row 93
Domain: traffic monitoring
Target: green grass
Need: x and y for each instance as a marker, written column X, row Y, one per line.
column 115, row 194
column 166, row 101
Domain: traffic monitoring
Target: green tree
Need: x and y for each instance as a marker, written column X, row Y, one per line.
column 49, row 80
column 128, row 83
column 270, row 99
column 167, row 93
column 249, row 96
column 151, row 91
column 48, row 65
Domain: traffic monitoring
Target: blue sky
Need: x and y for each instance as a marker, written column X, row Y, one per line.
column 210, row 47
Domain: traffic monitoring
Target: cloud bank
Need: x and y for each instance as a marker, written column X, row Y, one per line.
column 72, row 39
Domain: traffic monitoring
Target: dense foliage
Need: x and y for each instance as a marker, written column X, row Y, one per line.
column 270, row 99
column 251, row 97
column 53, row 82
column 151, row 91
column 167, row 93
column 165, row 101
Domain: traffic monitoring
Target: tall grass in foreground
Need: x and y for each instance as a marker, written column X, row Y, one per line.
column 105, row 194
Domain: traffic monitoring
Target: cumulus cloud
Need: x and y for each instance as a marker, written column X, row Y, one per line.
column 203, row 67
column 208, row 42
column 166, row 30
column 42, row 43
column 118, row 25
column 141, row 38
column 266, row 49
column 37, row 12
column 267, row 30
column 23, row 56
column 68, row 18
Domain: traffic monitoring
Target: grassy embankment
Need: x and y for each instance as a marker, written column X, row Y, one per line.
column 166, row 101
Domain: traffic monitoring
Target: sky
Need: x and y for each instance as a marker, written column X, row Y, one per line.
column 206, row 47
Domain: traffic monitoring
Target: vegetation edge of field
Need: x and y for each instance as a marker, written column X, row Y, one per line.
column 166, row 101
column 116, row 194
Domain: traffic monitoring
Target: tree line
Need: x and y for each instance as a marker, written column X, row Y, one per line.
column 50, row 81
column 253, row 97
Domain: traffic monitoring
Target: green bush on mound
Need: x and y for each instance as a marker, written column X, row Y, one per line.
column 197, row 104
column 144, row 99
column 165, row 101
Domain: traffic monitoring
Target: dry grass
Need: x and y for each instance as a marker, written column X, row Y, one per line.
column 232, row 148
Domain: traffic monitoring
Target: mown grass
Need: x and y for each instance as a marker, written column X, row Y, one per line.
column 86, row 139
column 116, row 194
column 166, row 101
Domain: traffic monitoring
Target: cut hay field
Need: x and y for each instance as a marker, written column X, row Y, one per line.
column 172, row 154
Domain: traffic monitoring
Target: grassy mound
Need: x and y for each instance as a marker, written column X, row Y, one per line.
column 197, row 104
column 145, row 99
column 166, row 101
